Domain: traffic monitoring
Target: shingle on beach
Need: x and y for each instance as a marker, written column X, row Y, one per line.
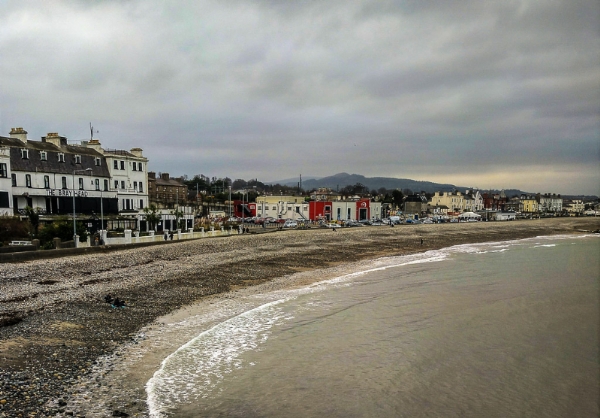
column 55, row 323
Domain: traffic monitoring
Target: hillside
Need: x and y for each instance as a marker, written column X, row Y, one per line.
column 341, row 180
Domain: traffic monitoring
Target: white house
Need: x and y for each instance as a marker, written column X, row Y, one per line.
column 6, row 208
column 50, row 175
column 128, row 176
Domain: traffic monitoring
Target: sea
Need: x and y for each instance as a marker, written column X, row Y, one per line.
column 503, row 329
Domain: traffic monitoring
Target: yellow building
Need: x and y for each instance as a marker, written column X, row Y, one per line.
column 530, row 204
column 455, row 201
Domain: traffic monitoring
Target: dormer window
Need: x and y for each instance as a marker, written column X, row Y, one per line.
column 61, row 157
column 78, row 159
column 43, row 155
column 97, row 161
column 24, row 154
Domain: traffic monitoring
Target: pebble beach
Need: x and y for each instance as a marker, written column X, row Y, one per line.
column 57, row 331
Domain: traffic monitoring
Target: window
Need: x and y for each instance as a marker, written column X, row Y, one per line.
column 135, row 185
column 105, row 185
column 122, row 165
column 97, row 161
column 4, row 200
column 80, row 183
column 43, row 156
column 116, row 184
column 3, row 170
column 46, row 182
column 141, row 187
column 116, row 164
column 141, row 204
column 28, row 180
column 97, row 184
column 123, row 185
column 274, row 207
column 24, row 154
column 64, row 182
column 13, row 178
column 139, row 166
column 61, row 157
column 134, row 166
column 78, row 159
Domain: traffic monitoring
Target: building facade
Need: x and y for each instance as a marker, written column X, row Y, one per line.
column 56, row 178
column 166, row 192
column 6, row 199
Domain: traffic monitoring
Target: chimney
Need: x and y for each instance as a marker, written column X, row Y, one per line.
column 95, row 145
column 164, row 176
column 137, row 152
column 151, row 175
column 20, row 134
column 55, row 139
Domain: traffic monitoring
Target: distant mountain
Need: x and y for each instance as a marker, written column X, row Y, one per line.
column 341, row 180
column 293, row 181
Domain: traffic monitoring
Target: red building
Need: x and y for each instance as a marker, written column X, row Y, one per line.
column 245, row 210
column 496, row 201
column 318, row 210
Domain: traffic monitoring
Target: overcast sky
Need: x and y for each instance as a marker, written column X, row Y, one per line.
column 488, row 94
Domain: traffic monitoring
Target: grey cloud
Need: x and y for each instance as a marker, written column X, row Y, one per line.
column 357, row 86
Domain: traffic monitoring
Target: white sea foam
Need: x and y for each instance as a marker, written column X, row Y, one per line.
column 195, row 369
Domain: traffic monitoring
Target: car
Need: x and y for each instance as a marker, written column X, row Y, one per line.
column 290, row 224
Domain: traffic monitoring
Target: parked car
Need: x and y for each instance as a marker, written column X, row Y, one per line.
column 290, row 224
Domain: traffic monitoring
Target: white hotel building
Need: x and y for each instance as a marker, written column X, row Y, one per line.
column 50, row 175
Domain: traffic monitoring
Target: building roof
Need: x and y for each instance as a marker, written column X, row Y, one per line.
column 52, row 165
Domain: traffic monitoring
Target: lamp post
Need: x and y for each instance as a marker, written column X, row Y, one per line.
column 74, row 223
column 101, row 218
column 230, row 202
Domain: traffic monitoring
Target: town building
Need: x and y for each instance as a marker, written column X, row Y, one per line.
column 495, row 201
column 549, row 203
column 282, row 207
column 57, row 178
column 415, row 204
column 574, row 207
column 5, row 183
column 128, row 176
column 362, row 209
column 529, row 204
column 454, row 201
column 166, row 192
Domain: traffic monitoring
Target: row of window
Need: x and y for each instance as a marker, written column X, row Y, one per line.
column 138, row 186
column 61, row 157
column 288, row 208
column 63, row 182
column 135, row 166
column 127, row 204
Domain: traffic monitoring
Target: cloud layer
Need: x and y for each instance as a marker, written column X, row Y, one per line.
column 484, row 94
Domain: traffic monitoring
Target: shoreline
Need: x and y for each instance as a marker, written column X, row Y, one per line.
column 64, row 327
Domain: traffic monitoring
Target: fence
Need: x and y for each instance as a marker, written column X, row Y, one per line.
column 135, row 238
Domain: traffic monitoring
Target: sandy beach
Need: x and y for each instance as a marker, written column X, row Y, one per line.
column 63, row 349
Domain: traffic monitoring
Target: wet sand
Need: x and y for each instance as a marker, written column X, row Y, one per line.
column 58, row 336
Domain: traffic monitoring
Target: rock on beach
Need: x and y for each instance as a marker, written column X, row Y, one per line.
column 55, row 325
